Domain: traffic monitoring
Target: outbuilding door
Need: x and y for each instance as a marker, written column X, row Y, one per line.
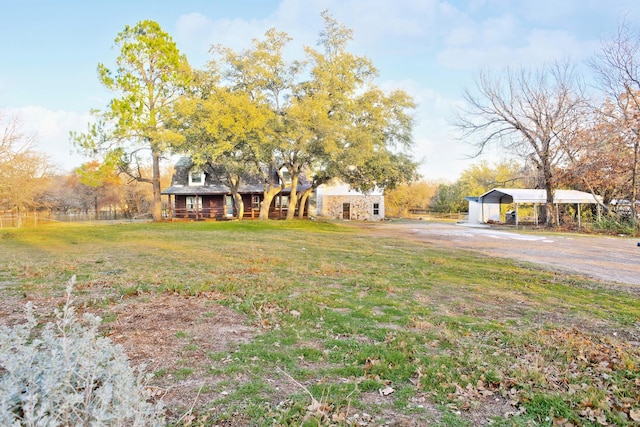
column 346, row 211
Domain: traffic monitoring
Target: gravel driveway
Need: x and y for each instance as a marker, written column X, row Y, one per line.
column 610, row 259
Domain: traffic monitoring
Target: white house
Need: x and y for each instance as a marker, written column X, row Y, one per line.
column 339, row 201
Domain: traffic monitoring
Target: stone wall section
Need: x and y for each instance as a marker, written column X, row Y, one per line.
column 361, row 207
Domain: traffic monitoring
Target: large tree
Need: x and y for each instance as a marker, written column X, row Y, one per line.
column 221, row 126
column 261, row 76
column 342, row 125
column 333, row 123
column 321, row 117
column 599, row 159
column 531, row 114
column 617, row 68
column 149, row 77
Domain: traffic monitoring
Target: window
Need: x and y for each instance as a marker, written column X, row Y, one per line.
column 376, row 208
column 194, row 203
column 255, row 202
column 196, row 178
column 282, row 202
column 286, row 176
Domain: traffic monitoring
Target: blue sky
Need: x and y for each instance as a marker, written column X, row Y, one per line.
column 432, row 49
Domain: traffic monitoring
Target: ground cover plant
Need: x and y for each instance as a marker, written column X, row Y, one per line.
column 67, row 375
column 314, row 323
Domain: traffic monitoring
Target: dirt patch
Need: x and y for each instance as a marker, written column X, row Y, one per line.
column 174, row 336
column 171, row 335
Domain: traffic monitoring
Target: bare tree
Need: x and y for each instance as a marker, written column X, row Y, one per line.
column 23, row 171
column 617, row 68
column 528, row 113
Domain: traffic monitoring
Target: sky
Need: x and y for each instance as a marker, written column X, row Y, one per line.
column 432, row 49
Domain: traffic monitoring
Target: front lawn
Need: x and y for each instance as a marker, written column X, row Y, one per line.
column 314, row 323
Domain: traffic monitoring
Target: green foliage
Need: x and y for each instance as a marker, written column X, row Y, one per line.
column 322, row 116
column 449, row 198
column 482, row 177
column 95, row 174
column 68, row 375
column 416, row 194
column 150, row 75
column 612, row 224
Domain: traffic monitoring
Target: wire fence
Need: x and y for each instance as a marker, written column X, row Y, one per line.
column 438, row 216
column 11, row 219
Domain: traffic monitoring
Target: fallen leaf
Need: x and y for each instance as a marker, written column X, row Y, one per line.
column 634, row 414
column 315, row 406
column 386, row 391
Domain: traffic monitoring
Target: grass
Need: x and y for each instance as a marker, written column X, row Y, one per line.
column 344, row 314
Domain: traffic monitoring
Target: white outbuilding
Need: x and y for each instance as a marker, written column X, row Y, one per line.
column 486, row 208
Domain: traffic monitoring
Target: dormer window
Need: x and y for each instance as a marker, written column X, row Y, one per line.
column 286, row 177
column 196, row 178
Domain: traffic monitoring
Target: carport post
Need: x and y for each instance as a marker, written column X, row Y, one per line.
column 516, row 205
column 578, row 215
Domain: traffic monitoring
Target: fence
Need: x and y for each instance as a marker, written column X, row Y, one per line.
column 34, row 219
column 437, row 216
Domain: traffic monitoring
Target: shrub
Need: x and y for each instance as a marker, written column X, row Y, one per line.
column 613, row 225
column 68, row 375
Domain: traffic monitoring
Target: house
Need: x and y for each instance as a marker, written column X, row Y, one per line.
column 339, row 201
column 487, row 207
column 202, row 193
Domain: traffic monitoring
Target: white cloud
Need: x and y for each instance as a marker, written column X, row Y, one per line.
column 436, row 142
column 508, row 46
column 196, row 33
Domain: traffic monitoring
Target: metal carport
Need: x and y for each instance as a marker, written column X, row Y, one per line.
column 491, row 200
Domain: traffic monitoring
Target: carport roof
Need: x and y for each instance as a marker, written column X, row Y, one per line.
column 528, row 195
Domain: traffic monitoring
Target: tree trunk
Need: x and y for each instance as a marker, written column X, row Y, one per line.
column 293, row 198
column 547, row 176
column 237, row 200
column 304, row 196
column 267, row 198
column 549, row 216
column 155, row 182
column 634, row 184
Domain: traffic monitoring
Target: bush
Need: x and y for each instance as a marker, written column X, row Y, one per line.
column 67, row 375
column 613, row 225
